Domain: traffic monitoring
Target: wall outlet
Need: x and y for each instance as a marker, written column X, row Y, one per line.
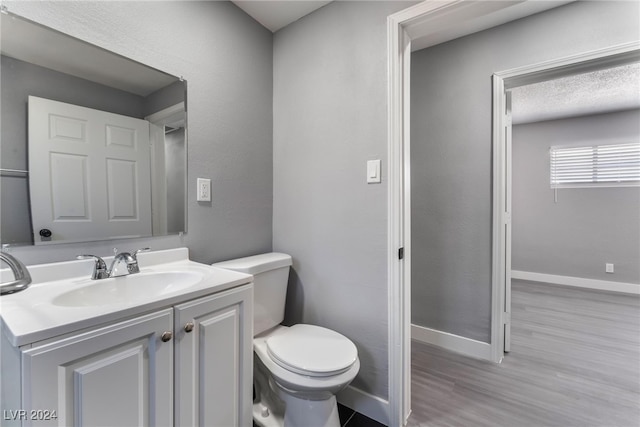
column 608, row 268
column 204, row 190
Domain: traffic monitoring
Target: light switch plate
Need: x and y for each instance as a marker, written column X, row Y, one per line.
column 373, row 171
column 204, row 190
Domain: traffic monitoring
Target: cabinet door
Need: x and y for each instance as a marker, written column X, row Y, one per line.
column 214, row 360
column 117, row 375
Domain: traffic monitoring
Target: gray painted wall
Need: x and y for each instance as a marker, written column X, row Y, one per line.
column 15, row 218
column 329, row 114
column 588, row 227
column 226, row 58
column 451, row 151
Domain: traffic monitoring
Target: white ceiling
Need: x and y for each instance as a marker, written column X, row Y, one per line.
column 23, row 40
column 276, row 14
column 601, row 91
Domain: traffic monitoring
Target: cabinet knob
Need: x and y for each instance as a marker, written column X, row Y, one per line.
column 166, row 336
column 188, row 327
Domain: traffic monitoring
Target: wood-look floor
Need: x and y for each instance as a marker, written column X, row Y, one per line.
column 574, row 361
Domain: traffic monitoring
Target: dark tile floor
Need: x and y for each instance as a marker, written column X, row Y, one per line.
column 350, row 418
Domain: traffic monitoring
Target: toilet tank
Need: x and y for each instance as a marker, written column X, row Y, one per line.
column 270, row 277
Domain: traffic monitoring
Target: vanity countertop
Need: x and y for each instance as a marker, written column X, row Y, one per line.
column 36, row 313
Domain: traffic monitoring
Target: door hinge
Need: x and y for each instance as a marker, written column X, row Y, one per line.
column 401, row 253
column 506, row 318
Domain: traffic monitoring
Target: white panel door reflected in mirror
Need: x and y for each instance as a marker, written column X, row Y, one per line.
column 72, row 71
column 89, row 173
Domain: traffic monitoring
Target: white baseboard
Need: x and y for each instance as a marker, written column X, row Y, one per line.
column 367, row 404
column 455, row 343
column 602, row 285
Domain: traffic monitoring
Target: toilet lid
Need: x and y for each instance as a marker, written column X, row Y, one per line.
column 312, row 350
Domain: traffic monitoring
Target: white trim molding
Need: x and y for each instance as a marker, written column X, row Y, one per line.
column 398, row 271
column 451, row 342
column 455, row 343
column 367, row 404
column 578, row 282
column 583, row 62
column 500, row 220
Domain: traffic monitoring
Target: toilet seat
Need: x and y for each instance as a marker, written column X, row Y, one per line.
column 312, row 351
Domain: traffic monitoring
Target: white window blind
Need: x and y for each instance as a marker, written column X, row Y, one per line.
column 596, row 165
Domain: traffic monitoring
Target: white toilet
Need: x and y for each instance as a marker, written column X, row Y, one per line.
column 299, row 369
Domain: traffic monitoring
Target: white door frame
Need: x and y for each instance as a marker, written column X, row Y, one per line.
column 508, row 79
column 420, row 26
column 172, row 116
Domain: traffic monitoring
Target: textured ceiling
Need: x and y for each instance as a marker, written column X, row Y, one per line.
column 602, row 91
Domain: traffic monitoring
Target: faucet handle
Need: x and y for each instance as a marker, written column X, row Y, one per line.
column 99, row 261
column 135, row 254
column 133, row 266
column 99, row 269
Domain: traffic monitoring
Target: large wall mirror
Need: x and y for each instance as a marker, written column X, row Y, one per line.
column 93, row 144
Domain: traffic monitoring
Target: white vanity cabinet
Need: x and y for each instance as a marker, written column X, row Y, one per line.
column 185, row 365
column 214, row 360
column 116, row 375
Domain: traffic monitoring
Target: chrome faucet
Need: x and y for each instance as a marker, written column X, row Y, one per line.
column 100, row 270
column 123, row 258
column 22, row 278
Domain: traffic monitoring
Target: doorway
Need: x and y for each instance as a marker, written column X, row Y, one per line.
column 504, row 85
column 423, row 25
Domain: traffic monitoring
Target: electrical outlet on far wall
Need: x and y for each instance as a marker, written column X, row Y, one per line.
column 608, row 268
column 204, row 190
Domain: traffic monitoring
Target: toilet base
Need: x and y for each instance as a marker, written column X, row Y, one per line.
column 274, row 406
column 311, row 413
column 263, row 417
column 299, row 413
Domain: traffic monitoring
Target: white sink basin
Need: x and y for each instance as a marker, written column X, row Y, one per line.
column 128, row 289
column 62, row 298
